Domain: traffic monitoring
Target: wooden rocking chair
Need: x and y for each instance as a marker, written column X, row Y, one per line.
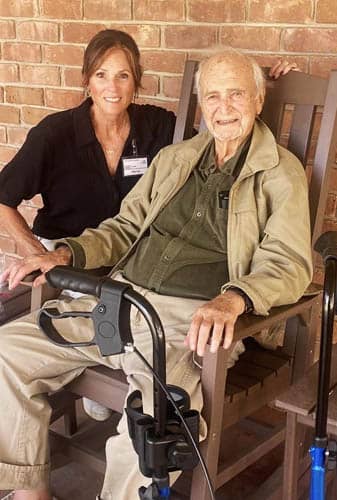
column 260, row 375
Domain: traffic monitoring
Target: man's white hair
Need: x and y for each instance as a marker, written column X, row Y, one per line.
column 224, row 53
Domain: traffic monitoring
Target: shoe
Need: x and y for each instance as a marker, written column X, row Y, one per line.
column 95, row 410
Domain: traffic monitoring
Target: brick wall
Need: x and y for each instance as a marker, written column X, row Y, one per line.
column 42, row 44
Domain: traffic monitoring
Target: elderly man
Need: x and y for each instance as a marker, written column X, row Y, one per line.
column 217, row 226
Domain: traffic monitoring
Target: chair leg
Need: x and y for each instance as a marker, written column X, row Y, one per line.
column 70, row 420
column 292, row 453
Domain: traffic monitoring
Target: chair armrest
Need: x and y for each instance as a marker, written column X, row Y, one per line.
column 249, row 325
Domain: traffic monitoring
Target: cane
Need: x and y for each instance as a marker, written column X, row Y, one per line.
column 326, row 246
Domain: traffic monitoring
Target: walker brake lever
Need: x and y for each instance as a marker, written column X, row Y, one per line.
column 111, row 316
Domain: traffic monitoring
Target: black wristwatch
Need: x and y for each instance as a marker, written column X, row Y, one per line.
column 248, row 303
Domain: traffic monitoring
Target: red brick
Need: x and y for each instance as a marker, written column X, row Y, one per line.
column 245, row 37
column 107, row 9
column 172, row 86
column 286, row 11
column 145, row 35
column 28, row 213
column 3, row 135
column 186, row 37
column 16, row 135
column 9, row 72
column 9, row 114
column 321, row 66
column 326, row 11
column 80, row 32
column 7, row 29
column 63, row 99
column 26, row 52
column 310, row 39
column 170, row 105
column 167, row 61
column 72, row 77
column 215, row 11
column 63, row 54
column 7, row 245
column 61, row 9
column 41, row 31
column 150, row 85
column 7, row 153
column 16, row 8
column 159, row 10
column 22, row 95
column 31, row 116
column 40, row 75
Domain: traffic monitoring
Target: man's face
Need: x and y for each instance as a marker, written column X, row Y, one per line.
column 229, row 101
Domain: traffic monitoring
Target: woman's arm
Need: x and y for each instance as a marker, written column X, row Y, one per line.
column 17, row 228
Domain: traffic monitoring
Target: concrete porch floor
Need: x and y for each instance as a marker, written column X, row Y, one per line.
column 75, row 481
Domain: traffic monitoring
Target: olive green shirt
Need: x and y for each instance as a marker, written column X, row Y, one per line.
column 184, row 252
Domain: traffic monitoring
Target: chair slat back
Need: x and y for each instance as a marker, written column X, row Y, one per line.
column 302, row 97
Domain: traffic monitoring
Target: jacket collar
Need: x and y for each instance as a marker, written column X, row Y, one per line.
column 262, row 154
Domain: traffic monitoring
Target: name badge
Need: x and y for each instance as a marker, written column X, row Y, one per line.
column 134, row 165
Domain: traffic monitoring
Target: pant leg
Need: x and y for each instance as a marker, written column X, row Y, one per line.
column 30, row 367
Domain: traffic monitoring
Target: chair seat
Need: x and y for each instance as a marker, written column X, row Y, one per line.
column 256, row 369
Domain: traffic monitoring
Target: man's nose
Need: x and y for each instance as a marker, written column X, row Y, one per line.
column 225, row 103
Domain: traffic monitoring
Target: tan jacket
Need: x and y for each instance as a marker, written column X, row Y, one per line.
column 269, row 251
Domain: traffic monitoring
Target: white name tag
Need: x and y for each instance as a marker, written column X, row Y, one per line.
column 134, row 165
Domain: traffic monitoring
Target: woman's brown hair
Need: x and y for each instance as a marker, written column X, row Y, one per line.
column 101, row 44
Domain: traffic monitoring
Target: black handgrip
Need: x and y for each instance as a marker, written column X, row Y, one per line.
column 78, row 280
column 326, row 245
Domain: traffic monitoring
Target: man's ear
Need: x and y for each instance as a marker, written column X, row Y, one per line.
column 259, row 103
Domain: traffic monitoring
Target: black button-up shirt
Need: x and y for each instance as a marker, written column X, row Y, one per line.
column 63, row 161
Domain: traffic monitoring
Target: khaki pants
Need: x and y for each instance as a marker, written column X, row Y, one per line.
column 31, row 366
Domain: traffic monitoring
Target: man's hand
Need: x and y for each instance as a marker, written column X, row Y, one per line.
column 216, row 317
column 43, row 262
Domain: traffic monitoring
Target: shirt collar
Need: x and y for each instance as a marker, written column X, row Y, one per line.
column 207, row 164
column 84, row 130
column 85, row 133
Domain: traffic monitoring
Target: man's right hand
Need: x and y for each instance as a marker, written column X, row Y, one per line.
column 41, row 262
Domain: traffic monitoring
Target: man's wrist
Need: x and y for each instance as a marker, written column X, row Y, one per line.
column 66, row 254
column 248, row 303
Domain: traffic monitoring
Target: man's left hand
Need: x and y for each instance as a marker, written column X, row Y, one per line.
column 216, row 317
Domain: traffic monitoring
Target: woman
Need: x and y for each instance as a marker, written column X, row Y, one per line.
column 83, row 161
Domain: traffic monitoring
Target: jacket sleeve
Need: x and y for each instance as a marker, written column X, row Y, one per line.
column 281, row 265
column 111, row 240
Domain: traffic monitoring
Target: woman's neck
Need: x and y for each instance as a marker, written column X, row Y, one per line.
column 107, row 128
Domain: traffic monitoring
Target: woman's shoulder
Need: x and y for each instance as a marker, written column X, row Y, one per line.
column 151, row 113
column 59, row 121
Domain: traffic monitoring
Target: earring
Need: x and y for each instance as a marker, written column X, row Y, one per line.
column 87, row 92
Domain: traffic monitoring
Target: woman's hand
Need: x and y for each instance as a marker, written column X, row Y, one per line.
column 41, row 262
column 282, row 67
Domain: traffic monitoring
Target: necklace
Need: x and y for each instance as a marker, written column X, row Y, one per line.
column 109, row 151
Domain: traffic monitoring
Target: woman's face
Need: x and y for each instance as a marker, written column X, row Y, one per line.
column 112, row 85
